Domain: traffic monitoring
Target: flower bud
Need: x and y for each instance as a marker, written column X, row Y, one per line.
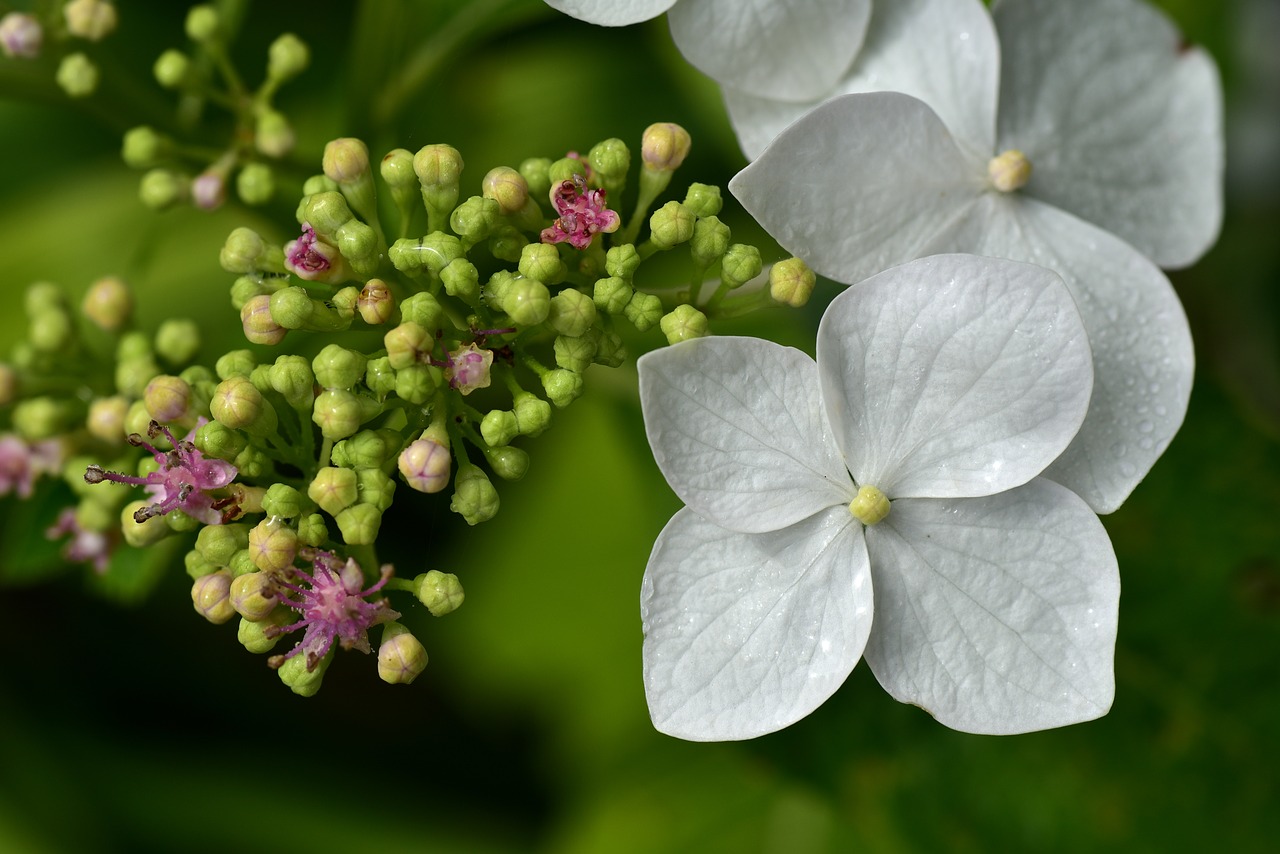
column 417, row 383
column 209, row 189
column 541, row 261
column 612, row 295
column 287, row 57
column 536, row 171
column 282, row 500
column 574, row 354
column 272, row 545
column 562, row 387
column 405, row 344
column 338, row 367
column 305, row 683
column 370, row 449
column 220, row 441
column 572, row 313
column 260, row 327
column 664, row 146
column 292, row 378
column 168, row 399
column 461, row 279
column 238, row 404
column 610, row 159
column 203, row 24
column 704, row 200
column 422, row 309
column 172, row 69
column 644, row 311
column 244, row 251
column 196, row 566
column 621, row 262
column 397, row 170
column 495, row 290
column 211, row 596
column 143, row 148
column 145, row 533
column 21, row 35
column 475, row 219
column 43, row 417
column 474, row 497
column 272, row 134
column 498, row 427
column 441, row 592
column 533, row 414
column 375, row 304
column 380, row 377
column 218, row 544
column 610, row 350
column 375, row 488
column 254, row 596
column 507, row 187
column 235, row 363
column 566, row 169
column 439, row 168
column 252, row 463
column 671, row 225
column 334, row 489
column 709, row 242
column 312, row 530
column 527, row 301
column 741, row 264
column 401, row 657
column 258, row 637
column 77, row 75
column 508, row 463
column 90, row 19
column 255, row 184
column 1008, row 171
column 50, row 330
column 177, row 341
column 106, row 419
column 683, row 323
column 337, row 412
column 359, row 524
column 791, row 282
column 358, row 244
column 426, row 465
column 346, row 160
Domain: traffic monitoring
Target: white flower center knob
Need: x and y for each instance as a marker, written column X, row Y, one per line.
column 1009, row 170
column 869, row 506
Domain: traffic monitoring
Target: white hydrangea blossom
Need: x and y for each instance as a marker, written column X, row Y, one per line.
column 883, row 503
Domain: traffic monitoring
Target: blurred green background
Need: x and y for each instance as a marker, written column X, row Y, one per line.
column 128, row 724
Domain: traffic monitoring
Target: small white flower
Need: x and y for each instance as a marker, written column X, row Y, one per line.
column 1106, row 122
column 894, row 478
column 785, row 49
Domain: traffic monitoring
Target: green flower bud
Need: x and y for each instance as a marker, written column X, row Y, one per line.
column 508, row 463
column 370, row 448
column 671, row 225
column 461, row 279
column 337, row 413
column 108, row 303
column 238, row 404
column 50, row 330
column 439, row 250
column 245, row 288
column 292, row 378
column 621, row 262
column 541, row 261
column 439, row 168
column 246, row 252
column 791, row 282
column 375, row 488
column 709, row 242
column 172, row 69
column 255, row 184
column 236, row 363
column 401, row 657
column 77, row 75
column 203, row 24
column 507, row 243
column 305, row 683
column 242, row 563
column 703, row 199
column 258, row 322
column 217, row 544
column 441, row 592
column 495, row 290
column 683, row 323
column 498, row 427
column 253, row 635
column 43, row 417
column 312, row 530
column 338, row 367
column 375, row 304
column 346, row 160
column 533, row 414
column 211, row 596
column 610, row 160
column 106, row 419
column 287, row 57
column 536, row 171
column 507, row 187
column 612, row 295
column 181, row 523
column 168, row 399
column 291, row 308
column 562, row 387
column 334, row 489
column 644, row 311
column 565, row 169
column 397, row 170
column 740, row 265
column 475, row 219
column 417, row 383
column 177, row 341
column 252, row 463
column 664, row 146
column 282, row 500
column 422, row 309
column 272, row 545
column 344, row 303
column 218, row 440
column 527, row 301
column 143, row 148
column 254, row 596
column 132, row 376
column 326, row 213
column 575, row 354
column 141, row 534
column 610, row 350
column 380, row 377
column 160, row 189
column 425, row 465
column 272, row 133
column 196, row 566
column 572, row 313
column 137, row 419
column 406, row 344
column 42, row 296
column 90, row 19
column 474, row 497
column 358, row 243
column 359, row 524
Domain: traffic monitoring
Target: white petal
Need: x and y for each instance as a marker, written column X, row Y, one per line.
column 860, row 184
column 1142, row 355
column 791, row 50
column 1121, row 123
column 954, row 375
column 612, row 13
column 748, row 633
column 996, row 615
column 943, row 52
column 737, row 427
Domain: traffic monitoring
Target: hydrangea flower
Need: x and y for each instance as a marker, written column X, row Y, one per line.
column 1114, row 126
column 773, row 48
column 882, row 503
column 581, row 214
column 185, row 480
column 467, row 368
column 333, row 607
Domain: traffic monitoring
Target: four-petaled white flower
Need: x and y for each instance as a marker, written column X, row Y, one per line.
column 1107, row 123
column 896, row 477
column 785, row 49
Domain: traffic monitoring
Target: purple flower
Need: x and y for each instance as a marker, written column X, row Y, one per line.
column 333, row 607
column 468, row 368
column 86, row 546
column 183, row 482
column 581, row 214
column 21, row 463
column 306, row 257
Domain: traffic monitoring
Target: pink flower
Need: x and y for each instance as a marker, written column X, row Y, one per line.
column 21, row 464
column 468, row 368
column 308, row 257
column 333, row 607
column 183, row 482
column 86, row 546
column 581, row 214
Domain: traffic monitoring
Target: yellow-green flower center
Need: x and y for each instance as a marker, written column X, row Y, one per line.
column 870, row 506
column 1009, row 170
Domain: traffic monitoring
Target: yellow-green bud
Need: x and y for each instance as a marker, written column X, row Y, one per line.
column 43, row 417
column 682, row 323
column 235, row 363
column 621, row 262
column 203, row 24
column 272, row 545
column 397, row 170
column 644, row 311
column 291, row 376
column 287, row 57
column 575, row 354
column 461, row 279
column 533, row 414
column 566, row 169
column 254, row 635
column 417, row 383
column 218, row 544
column 664, row 146
column 272, row 134
column 211, row 596
column 475, row 219
column 440, row 591
column 401, row 657
column 572, row 313
column 870, row 506
column 671, row 225
column 376, row 305
column 380, row 377
column 312, row 530
column 474, row 497
column 305, row 683
column 507, row 187
column 791, row 282
column 741, row 264
column 143, row 148
column 220, row 441
column 50, row 330
column 541, row 261
column 709, row 242
column 90, row 19
column 168, row 399
column 426, row 465
column 359, row 524
column 346, row 160
column 172, row 69
column 562, row 387
column 536, row 171
column 337, row 412
column 259, row 325
column 141, row 534
column 439, row 168
column 610, row 160
column 338, row 367
column 506, row 243
column 196, row 565
column 177, row 341
column 238, row 404
column 610, row 351
column 375, row 488
column 703, row 199
column 508, row 463
column 495, row 290
column 255, row 184
column 527, row 301
column 334, row 489
column 1008, row 171
column 106, row 419
column 498, row 427
column 282, row 500
column 160, row 189
column 406, row 344
column 244, row 251
column 254, row 596
column 612, row 295
column 77, row 75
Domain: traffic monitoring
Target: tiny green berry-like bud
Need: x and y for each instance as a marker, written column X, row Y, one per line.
column 671, row 224
column 272, row 545
column 254, row 596
column 575, row 354
column 220, row 441
column 291, row 376
column 255, row 184
column 527, row 301
column 77, row 75
column 441, row 592
column 566, row 169
column 287, row 57
column 177, row 341
column 143, row 147
column 397, row 170
column 108, row 303
column 474, row 497
column 211, row 596
column 1009, row 171
column 425, row 465
column 346, row 160
column 253, row 635
column 202, row 24
column 359, row 524
column 258, row 324
column 741, row 264
column 282, row 500
column 664, row 146
column 244, row 251
column 141, row 534
column 217, row 544
column 106, row 418
column 238, row 404
column 337, row 413
column 422, row 309
column 870, row 506
column 338, row 367
column 791, row 282
column 376, row 305
column 417, row 383
column 374, row 487
column 709, row 242
column 610, row 159
column 621, row 262
column 401, row 657
column 507, row 187
column 237, row 363
column 405, row 344
column 533, row 414
column 312, row 530
column 90, row 19
column 334, row 489
column 168, row 399
column 704, row 199
column 171, row 69
column 644, row 311
column 475, row 219
column 499, row 427
column 380, row 377
column 461, row 279
column 537, row 172
column 272, row 134
column 508, row 463
column 562, row 387
column 301, row 681
column 541, row 261
column 683, row 323
column 160, row 189
column 612, row 295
